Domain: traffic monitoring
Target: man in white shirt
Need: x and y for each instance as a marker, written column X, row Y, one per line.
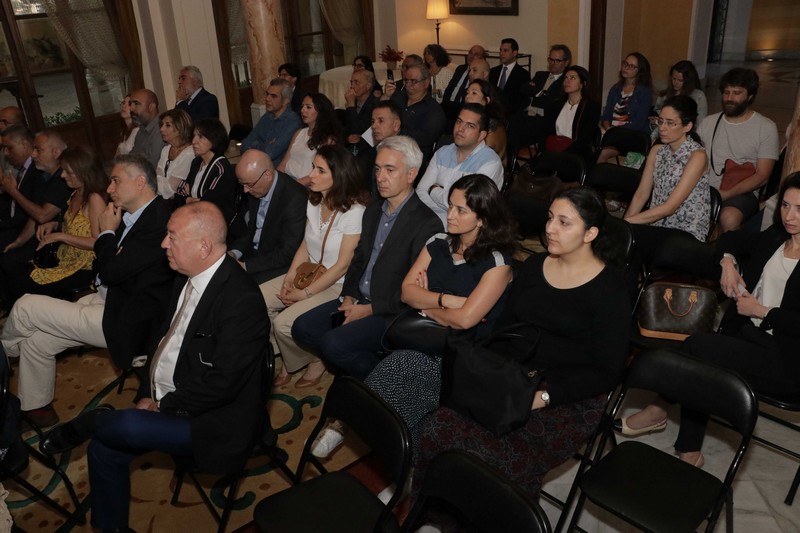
column 468, row 154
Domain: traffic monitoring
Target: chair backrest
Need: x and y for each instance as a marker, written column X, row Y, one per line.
column 569, row 167
column 716, row 208
column 626, row 140
column 615, row 178
column 486, row 498
column 621, row 237
column 374, row 421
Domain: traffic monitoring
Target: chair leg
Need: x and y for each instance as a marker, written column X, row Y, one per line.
column 37, row 494
column 50, row 463
column 178, row 485
column 793, row 489
column 229, row 501
column 577, row 513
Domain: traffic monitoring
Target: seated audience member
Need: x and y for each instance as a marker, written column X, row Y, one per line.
column 84, row 175
column 386, row 122
column 759, row 330
column 11, row 116
column 483, row 93
column 479, row 70
column 275, row 216
column 192, row 97
column 133, row 281
column 438, row 60
column 398, row 85
column 364, row 63
column 393, row 231
column 321, row 127
column 456, row 90
column 291, row 73
column 144, row 113
column 335, row 207
column 26, row 183
column 459, row 279
column 359, row 102
column 206, row 398
column 467, row 155
column 129, row 129
column 274, row 131
column 423, row 118
column 683, row 79
column 674, row 186
column 575, row 116
column 739, row 135
column 210, row 176
column 582, row 337
column 629, row 100
column 511, row 78
column 176, row 157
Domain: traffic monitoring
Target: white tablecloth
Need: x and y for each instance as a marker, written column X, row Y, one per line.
column 334, row 83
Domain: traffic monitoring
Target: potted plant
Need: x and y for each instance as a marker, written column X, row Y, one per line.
column 390, row 56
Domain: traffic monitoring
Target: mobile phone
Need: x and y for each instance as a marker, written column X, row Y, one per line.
column 337, row 319
column 389, row 74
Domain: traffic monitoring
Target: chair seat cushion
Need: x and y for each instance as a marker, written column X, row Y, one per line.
column 332, row 503
column 651, row 488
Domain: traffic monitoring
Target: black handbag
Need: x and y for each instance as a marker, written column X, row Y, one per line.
column 46, row 256
column 494, row 389
column 676, row 310
column 542, row 187
column 409, row 330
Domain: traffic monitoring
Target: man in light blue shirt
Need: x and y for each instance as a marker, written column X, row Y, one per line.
column 275, row 130
column 468, row 154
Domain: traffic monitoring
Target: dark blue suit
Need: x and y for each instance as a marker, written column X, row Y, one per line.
column 204, row 105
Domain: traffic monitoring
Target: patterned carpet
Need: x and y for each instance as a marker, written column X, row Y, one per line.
column 87, row 380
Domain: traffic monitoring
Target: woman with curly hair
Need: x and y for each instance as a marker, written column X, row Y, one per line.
column 336, row 203
column 321, row 128
column 437, row 59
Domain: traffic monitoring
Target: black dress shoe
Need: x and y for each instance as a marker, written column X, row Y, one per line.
column 73, row 433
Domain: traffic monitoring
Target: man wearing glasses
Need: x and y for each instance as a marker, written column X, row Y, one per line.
column 423, row 117
column 547, row 85
column 275, row 214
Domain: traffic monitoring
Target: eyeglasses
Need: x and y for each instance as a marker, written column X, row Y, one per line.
column 554, row 60
column 253, row 184
column 358, row 66
column 631, row 66
column 668, row 123
column 412, row 82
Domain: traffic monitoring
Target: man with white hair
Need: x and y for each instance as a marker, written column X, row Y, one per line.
column 192, row 97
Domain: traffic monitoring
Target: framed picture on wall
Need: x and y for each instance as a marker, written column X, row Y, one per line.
column 484, row 7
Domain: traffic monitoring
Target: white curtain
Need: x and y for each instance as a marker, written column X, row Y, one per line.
column 238, row 39
column 344, row 18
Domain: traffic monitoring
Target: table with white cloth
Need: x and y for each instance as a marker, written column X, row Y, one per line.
column 335, row 82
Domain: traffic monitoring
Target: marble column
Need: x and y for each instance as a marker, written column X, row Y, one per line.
column 263, row 23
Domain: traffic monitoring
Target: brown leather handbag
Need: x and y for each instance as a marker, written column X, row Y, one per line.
column 676, row 310
column 308, row 272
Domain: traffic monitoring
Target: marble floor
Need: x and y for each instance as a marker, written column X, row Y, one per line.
column 759, row 490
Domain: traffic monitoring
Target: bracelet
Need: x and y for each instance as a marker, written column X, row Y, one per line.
column 308, row 293
column 441, row 305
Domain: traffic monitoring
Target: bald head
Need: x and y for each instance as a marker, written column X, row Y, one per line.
column 476, row 52
column 11, row 116
column 144, row 106
column 255, row 172
column 479, row 70
column 195, row 237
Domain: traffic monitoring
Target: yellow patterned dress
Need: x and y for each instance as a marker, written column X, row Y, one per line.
column 70, row 258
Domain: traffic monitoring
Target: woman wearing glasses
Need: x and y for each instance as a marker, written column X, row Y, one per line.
column 674, row 182
column 629, row 100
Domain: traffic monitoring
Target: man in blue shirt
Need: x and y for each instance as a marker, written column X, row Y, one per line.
column 275, row 130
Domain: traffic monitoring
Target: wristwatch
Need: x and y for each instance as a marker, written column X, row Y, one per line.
column 545, row 396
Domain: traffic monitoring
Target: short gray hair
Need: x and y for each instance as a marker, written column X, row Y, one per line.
column 407, row 146
column 194, row 73
column 142, row 165
column 286, row 87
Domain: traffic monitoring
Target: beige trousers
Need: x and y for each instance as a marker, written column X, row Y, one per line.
column 282, row 318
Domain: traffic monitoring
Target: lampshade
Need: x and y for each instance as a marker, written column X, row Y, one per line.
column 438, row 10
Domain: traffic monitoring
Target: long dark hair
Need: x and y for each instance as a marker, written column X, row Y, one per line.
column 213, row 130
column 494, row 108
column 327, row 127
column 691, row 80
column 792, row 181
column 593, row 212
column 347, row 181
column 498, row 232
column 87, row 165
column 643, row 75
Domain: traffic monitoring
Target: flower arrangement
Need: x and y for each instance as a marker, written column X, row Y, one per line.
column 389, row 55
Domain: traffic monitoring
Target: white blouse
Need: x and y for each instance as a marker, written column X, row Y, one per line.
column 770, row 287
column 347, row 223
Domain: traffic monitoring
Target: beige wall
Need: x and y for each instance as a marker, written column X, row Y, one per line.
column 563, row 27
column 774, row 25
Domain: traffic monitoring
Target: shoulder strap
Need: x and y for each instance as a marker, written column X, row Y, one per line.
column 711, row 148
column 327, row 231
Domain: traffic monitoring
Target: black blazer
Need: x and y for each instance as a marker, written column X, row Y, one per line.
column 554, row 95
column 219, row 374
column 283, row 231
column 204, row 105
column 138, row 278
column 752, row 251
column 32, row 188
column 219, row 185
column 415, row 224
column 357, row 122
column 584, row 126
column 517, row 87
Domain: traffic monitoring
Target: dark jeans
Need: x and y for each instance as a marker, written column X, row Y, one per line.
column 352, row 347
column 119, row 437
column 673, row 249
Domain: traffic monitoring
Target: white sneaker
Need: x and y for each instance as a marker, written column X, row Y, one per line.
column 326, row 442
column 428, row 528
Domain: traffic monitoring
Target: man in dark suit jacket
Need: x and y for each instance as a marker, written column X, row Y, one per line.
column 453, row 97
column 514, row 84
column 393, row 231
column 192, row 97
column 29, row 183
column 207, row 372
column 546, row 91
column 276, row 217
column 133, row 286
